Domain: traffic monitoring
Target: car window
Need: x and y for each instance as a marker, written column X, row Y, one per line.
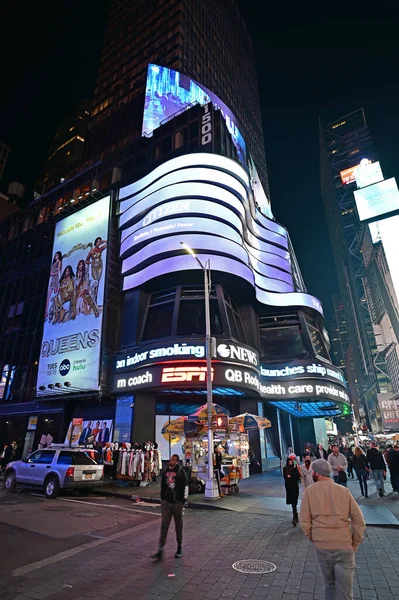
column 76, row 458
column 35, row 457
column 46, row 457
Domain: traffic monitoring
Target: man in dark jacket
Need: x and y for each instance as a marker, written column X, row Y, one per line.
column 174, row 493
column 378, row 467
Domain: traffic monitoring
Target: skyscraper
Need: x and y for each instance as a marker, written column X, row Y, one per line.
column 103, row 310
column 344, row 143
column 206, row 40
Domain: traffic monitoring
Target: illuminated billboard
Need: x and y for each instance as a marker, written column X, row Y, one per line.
column 168, row 92
column 377, row 199
column 70, row 349
column 368, row 173
column 348, row 175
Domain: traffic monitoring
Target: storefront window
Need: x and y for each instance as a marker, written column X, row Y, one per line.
column 281, row 343
column 123, row 419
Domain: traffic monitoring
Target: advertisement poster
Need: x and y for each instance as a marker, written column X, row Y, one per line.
column 88, row 432
column 168, row 92
column 389, row 410
column 70, row 350
column 167, row 444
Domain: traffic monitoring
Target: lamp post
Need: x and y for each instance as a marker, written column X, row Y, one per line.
column 211, row 488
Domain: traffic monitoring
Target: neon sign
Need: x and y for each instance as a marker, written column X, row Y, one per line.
column 181, row 374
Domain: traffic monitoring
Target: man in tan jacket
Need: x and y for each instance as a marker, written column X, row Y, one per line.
column 332, row 520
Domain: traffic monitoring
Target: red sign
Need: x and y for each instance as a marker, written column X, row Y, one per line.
column 348, row 175
column 182, row 374
column 220, row 422
column 77, row 421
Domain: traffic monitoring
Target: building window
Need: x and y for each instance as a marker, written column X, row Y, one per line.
column 192, row 313
column 281, row 343
column 160, row 315
column 317, row 339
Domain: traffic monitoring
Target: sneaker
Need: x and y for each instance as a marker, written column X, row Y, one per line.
column 178, row 552
column 158, row 555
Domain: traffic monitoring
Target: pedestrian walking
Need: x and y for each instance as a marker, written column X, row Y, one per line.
column 360, row 466
column 378, row 467
column 174, row 493
column 307, row 473
column 338, row 464
column 332, row 520
column 394, row 467
column 349, row 458
column 292, row 477
column 321, row 453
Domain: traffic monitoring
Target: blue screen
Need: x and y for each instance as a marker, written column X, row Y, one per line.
column 168, row 92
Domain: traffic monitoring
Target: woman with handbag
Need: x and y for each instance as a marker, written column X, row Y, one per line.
column 292, row 477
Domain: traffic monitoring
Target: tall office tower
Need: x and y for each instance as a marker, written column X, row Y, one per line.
column 103, row 310
column 4, row 151
column 204, row 39
column 344, row 143
column 66, row 150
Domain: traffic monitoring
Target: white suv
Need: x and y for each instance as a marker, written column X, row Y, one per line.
column 55, row 468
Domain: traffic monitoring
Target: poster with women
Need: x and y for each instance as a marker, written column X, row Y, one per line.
column 70, row 350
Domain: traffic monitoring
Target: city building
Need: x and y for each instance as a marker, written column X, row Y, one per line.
column 66, row 150
column 344, row 144
column 103, row 311
column 4, row 152
column 205, row 40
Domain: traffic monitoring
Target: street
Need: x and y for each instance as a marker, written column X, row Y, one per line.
column 98, row 547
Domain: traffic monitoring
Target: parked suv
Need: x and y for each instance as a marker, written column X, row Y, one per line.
column 55, row 468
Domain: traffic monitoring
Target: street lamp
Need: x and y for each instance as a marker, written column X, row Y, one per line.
column 211, row 488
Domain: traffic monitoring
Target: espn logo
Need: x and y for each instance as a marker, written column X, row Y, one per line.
column 182, row 374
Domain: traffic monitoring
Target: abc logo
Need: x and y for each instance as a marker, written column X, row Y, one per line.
column 65, row 367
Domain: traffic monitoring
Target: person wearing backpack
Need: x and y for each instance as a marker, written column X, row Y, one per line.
column 174, row 493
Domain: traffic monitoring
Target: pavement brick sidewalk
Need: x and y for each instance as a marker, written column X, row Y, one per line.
column 213, row 541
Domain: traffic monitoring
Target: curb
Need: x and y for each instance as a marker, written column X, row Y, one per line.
column 133, row 498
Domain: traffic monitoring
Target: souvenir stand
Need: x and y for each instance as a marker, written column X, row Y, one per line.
column 235, row 456
column 139, row 464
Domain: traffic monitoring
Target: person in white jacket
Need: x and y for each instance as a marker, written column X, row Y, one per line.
column 307, row 473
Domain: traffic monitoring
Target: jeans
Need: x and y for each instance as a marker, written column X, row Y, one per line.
column 378, row 479
column 337, row 567
column 362, row 478
column 336, row 480
column 170, row 510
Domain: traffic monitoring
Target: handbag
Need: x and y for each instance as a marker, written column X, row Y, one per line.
column 342, row 477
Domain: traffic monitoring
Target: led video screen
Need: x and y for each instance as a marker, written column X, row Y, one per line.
column 168, row 92
column 378, row 199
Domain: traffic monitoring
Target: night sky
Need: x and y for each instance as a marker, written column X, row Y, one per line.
column 312, row 62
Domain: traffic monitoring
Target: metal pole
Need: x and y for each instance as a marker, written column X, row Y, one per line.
column 280, row 439
column 211, row 490
column 291, row 433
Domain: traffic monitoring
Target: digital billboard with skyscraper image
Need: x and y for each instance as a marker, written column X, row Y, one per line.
column 168, row 92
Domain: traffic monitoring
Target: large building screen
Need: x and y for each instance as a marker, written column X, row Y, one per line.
column 70, row 350
column 168, row 92
column 378, row 199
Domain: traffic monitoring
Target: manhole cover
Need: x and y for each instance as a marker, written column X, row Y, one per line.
column 254, row 566
column 86, row 515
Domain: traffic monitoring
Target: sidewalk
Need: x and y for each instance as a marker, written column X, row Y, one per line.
column 265, row 494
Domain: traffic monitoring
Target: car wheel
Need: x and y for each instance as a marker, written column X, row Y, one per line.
column 10, row 481
column 51, row 487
